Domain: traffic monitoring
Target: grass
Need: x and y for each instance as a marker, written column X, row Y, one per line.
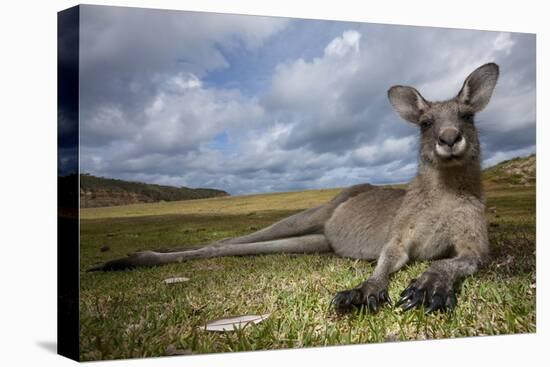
column 134, row 314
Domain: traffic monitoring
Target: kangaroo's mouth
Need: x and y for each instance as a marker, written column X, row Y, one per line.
column 453, row 153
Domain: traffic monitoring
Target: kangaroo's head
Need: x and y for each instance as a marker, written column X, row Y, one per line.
column 448, row 134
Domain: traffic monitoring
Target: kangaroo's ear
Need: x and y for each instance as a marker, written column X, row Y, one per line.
column 407, row 102
column 478, row 87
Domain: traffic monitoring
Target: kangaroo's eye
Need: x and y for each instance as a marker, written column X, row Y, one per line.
column 467, row 116
column 426, row 123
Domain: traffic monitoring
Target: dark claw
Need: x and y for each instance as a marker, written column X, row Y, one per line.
column 344, row 300
column 402, row 300
column 450, row 303
column 369, row 294
column 409, row 287
column 406, row 295
column 385, row 297
column 428, row 292
column 372, row 303
column 417, row 298
column 435, row 303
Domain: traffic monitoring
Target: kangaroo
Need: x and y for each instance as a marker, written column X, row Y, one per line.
column 440, row 215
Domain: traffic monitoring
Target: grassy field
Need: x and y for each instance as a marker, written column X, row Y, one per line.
column 134, row 314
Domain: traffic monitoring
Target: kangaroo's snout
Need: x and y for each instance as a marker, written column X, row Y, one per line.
column 450, row 144
column 449, row 136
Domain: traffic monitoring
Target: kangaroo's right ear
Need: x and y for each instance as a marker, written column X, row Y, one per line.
column 407, row 102
column 478, row 86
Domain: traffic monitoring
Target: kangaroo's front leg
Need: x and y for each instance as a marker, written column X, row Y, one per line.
column 373, row 292
column 435, row 287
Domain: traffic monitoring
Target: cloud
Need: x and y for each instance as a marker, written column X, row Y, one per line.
column 183, row 120
column 173, row 125
column 343, row 46
column 504, row 42
column 125, row 41
column 131, row 57
column 387, row 151
column 256, row 104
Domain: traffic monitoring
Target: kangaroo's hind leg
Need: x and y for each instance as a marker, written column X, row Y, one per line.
column 301, row 232
column 310, row 221
column 315, row 243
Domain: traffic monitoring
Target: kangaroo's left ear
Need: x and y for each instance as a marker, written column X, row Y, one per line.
column 478, row 87
column 407, row 102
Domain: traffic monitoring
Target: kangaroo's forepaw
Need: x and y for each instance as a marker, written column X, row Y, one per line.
column 143, row 258
column 431, row 290
column 370, row 294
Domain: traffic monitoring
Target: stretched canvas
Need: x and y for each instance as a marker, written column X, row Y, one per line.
column 204, row 170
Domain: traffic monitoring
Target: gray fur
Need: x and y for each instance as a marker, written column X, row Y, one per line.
column 439, row 216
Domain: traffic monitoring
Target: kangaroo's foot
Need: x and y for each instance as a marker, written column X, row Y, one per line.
column 371, row 294
column 432, row 290
column 137, row 259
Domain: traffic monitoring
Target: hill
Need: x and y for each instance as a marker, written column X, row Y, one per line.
column 519, row 171
column 100, row 191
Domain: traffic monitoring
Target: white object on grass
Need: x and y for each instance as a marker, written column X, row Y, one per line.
column 233, row 323
column 176, row 280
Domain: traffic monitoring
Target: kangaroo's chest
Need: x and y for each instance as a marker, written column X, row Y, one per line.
column 426, row 229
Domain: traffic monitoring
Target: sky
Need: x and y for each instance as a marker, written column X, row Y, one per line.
column 252, row 104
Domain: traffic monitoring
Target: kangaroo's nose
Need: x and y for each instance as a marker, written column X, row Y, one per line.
column 449, row 136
